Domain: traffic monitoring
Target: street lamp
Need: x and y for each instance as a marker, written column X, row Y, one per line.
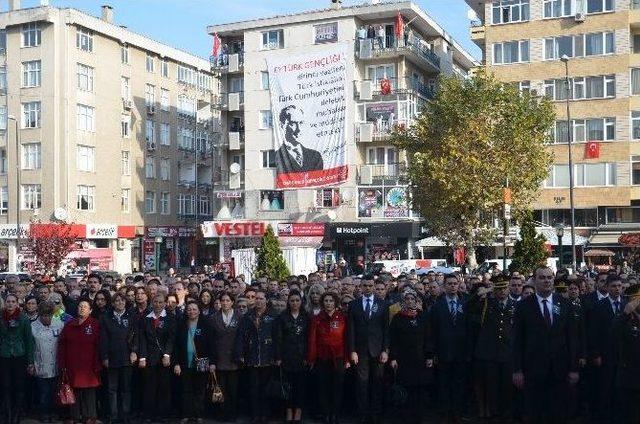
column 565, row 60
column 560, row 234
column 17, row 134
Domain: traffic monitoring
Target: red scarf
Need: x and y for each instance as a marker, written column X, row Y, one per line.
column 7, row 316
column 409, row 313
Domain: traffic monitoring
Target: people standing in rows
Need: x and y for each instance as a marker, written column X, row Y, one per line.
column 225, row 327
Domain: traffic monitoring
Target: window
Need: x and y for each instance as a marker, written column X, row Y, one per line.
column 204, row 82
column 150, row 131
column 125, row 163
column 269, row 159
column 585, row 175
column 31, row 156
column 165, row 169
column 511, row 52
column 31, row 115
column 271, row 200
column 84, row 40
column 125, row 90
column 125, row 194
column 165, row 130
column 124, row 54
column 3, row 161
column 85, row 158
column 596, row 6
column 524, row 86
column 273, row 39
column 149, row 167
column 31, row 34
column 31, row 73
column 150, row 63
column 85, row 77
column 164, row 203
column 186, row 138
column 125, row 125
column 635, row 81
column 599, row 43
column 186, row 75
column 150, row 201
column 4, row 200
column 328, row 198
column 149, row 94
column 164, row 99
column 557, row 8
column 31, row 196
column 266, row 120
column 505, row 11
column 186, row 105
column 3, row 77
column 86, row 118
column 86, row 197
column 635, row 125
column 598, row 129
column 635, row 170
column 205, row 205
column 555, row 48
column 164, row 68
column 236, row 85
column 596, row 87
column 264, row 80
column 186, row 204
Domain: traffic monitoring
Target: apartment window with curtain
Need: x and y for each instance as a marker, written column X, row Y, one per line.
column 86, row 118
column 3, row 161
column 124, row 54
column 585, row 175
column 150, row 131
column 506, row 11
column 125, row 125
column 31, row 156
column 31, row 113
column 205, row 205
column 584, row 130
column 149, row 94
column 165, row 169
column 635, row 170
column 84, row 40
column 85, row 77
column 594, row 44
column 85, row 158
column 150, row 167
column 31, row 74
column 164, row 68
column 31, row 34
column 557, row 8
column 125, row 89
column 165, row 207
column 164, row 99
column 165, row 131
column 511, row 52
column 597, row 6
column 273, row 39
column 125, row 163
column 635, row 81
column 266, row 120
column 4, row 200
column 125, row 194
column 150, row 63
column 150, row 201
column 31, row 195
column 269, row 159
column 635, row 125
column 593, row 87
column 86, row 197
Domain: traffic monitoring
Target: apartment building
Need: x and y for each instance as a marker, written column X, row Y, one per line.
column 114, row 135
column 390, row 73
column 523, row 42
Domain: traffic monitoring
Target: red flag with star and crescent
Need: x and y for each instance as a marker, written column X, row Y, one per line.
column 592, row 150
column 217, row 43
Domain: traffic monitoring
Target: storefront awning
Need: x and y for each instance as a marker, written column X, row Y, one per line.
column 430, row 242
column 95, row 254
column 605, row 239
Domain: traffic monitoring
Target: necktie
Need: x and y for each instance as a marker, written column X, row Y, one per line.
column 297, row 155
column 547, row 315
column 367, row 309
column 452, row 309
column 616, row 307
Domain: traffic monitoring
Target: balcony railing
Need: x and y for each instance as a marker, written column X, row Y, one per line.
column 227, row 62
column 372, row 48
column 379, row 130
column 228, row 101
column 383, row 174
column 397, row 86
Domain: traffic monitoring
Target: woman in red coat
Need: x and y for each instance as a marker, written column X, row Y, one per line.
column 327, row 351
column 78, row 360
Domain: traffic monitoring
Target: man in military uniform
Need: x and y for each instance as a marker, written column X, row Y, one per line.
column 493, row 309
column 626, row 337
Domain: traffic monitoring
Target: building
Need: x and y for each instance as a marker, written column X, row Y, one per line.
column 522, row 43
column 390, row 73
column 114, row 135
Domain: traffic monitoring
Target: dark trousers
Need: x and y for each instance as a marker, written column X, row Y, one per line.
column 630, row 401
column 369, row 371
column 545, row 400
column 46, row 387
column 228, row 381
column 330, row 385
column 119, row 389
column 157, row 391
column 493, row 383
column 451, row 385
column 258, row 380
column 13, row 373
column 413, row 409
column 193, row 388
column 85, row 406
column 297, row 380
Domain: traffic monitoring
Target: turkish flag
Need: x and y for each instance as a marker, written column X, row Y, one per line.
column 216, row 45
column 399, row 29
column 592, row 150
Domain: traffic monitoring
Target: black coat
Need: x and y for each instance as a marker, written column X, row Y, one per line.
column 202, row 339
column 600, row 329
column 408, row 346
column 224, row 339
column 117, row 339
column 539, row 350
column 155, row 342
column 285, row 163
column 626, row 336
column 493, row 340
column 291, row 340
column 368, row 335
column 581, row 322
column 254, row 340
column 451, row 339
column 589, row 303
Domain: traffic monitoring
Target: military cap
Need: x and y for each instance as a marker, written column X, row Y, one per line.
column 500, row 281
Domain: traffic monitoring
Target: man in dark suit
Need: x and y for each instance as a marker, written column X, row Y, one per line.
column 292, row 156
column 452, row 347
column 545, row 351
column 368, row 342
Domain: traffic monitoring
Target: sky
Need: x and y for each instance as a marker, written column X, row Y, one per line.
column 182, row 23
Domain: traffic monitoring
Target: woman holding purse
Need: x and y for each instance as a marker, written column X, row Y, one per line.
column 193, row 353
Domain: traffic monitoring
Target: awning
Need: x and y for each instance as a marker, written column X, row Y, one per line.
column 552, row 237
column 95, row 254
column 608, row 239
column 599, row 252
column 430, row 242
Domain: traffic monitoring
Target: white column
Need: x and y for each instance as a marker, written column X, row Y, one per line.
column 13, row 260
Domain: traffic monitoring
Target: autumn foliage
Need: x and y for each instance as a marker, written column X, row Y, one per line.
column 50, row 244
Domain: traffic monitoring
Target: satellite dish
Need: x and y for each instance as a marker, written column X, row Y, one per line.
column 472, row 15
column 234, row 168
column 332, row 215
column 60, row 214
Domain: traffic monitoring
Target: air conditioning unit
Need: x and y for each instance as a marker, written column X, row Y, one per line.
column 151, row 145
column 122, row 244
column 366, row 132
column 234, row 140
column 127, row 104
column 151, row 109
column 366, row 90
column 580, row 17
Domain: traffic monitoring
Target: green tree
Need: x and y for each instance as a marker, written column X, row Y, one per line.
column 473, row 137
column 269, row 261
column 530, row 250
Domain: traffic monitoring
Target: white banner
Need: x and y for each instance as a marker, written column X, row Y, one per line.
column 308, row 106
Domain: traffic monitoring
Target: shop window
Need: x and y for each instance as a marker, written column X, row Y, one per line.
column 271, row 200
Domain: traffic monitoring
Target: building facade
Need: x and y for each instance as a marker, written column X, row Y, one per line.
column 391, row 73
column 522, row 43
column 108, row 130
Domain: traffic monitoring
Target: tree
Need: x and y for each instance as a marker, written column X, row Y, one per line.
column 50, row 244
column 269, row 261
column 476, row 135
column 530, row 251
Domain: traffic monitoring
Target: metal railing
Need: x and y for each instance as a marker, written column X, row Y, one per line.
column 221, row 62
column 404, row 85
column 385, row 174
column 390, row 44
column 382, row 128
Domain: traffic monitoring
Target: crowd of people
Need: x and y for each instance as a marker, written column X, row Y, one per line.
column 542, row 348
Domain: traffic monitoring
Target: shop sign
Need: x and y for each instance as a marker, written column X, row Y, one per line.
column 149, row 249
column 186, row 231
column 102, row 231
column 348, row 231
column 235, row 229
column 326, row 33
column 300, row 229
column 383, row 202
column 9, row 231
column 162, row 232
column 228, row 194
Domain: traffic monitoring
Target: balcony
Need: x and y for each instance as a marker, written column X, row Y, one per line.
column 236, row 140
column 228, row 180
column 228, row 101
column 227, row 63
column 383, row 174
column 379, row 130
column 397, row 89
column 415, row 50
column 477, row 32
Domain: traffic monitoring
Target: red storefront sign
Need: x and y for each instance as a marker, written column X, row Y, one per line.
column 234, row 229
column 301, row 229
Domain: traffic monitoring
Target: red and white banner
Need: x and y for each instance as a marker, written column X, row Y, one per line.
column 592, row 150
column 308, row 105
column 235, row 229
column 300, row 229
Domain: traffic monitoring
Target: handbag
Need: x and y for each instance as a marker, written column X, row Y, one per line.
column 202, row 364
column 216, row 391
column 277, row 388
column 65, row 394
